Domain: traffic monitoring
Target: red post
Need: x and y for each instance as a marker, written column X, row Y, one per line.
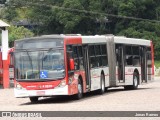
column 5, row 74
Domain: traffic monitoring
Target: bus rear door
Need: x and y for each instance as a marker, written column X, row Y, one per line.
column 87, row 67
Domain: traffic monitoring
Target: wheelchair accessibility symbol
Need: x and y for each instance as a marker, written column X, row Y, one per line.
column 43, row 74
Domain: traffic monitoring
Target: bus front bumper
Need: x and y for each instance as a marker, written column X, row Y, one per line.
column 20, row 93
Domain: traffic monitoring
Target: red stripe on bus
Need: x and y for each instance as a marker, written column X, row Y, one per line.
column 99, row 76
column 73, row 40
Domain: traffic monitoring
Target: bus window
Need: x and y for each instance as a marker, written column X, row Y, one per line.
column 92, row 57
column 104, row 55
column 136, row 55
column 149, row 58
column 98, row 55
column 149, row 63
column 80, row 58
column 129, row 57
column 91, row 50
column 75, row 52
column 69, row 56
column 75, row 56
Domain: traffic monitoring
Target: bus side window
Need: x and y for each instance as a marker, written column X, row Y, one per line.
column 117, row 52
column 136, row 61
column 104, row 55
column 129, row 57
column 98, row 55
column 80, row 58
column 75, row 56
column 69, row 56
column 136, row 55
column 129, row 60
column 92, row 57
column 149, row 57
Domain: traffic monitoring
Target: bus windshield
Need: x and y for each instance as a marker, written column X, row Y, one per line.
column 40, row 64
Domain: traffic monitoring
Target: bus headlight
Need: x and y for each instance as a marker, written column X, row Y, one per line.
column 62, row 84
column 70, row 80
column 18, row 86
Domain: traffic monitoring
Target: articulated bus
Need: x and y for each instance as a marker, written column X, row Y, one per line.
column 74, row 64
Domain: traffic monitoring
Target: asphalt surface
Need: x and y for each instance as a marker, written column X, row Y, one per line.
column 145, row 98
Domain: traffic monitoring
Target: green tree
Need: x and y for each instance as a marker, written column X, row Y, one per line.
column 69, row 19
column 17, row 33
column 91, row 17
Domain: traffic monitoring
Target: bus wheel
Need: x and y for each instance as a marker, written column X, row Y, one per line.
column 33, row 99
column 79, row 95
column 102, row 89
column 135, row 81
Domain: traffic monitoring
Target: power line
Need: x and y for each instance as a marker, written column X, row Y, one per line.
column 105, row 14
column 94, row 13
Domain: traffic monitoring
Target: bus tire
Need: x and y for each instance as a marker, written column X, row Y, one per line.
column 79, row 95
column 135, row 81
column 102, row 84
column 33, row 99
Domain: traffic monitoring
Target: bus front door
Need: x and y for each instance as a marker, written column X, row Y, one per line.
column 87, row 67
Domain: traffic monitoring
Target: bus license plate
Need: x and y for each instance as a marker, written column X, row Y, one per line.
column 40, row 93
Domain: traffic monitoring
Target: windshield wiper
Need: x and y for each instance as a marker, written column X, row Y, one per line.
column 30, row 60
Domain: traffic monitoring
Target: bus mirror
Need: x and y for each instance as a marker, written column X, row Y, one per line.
column 11, row 53
column 71, row 61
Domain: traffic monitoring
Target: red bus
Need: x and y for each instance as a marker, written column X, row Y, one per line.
column 72, row 65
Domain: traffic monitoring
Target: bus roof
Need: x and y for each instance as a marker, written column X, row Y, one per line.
column 95, row 39
column 133, row 41
column 40, row 37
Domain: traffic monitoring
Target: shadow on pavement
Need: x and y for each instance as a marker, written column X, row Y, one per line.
column 70, row 99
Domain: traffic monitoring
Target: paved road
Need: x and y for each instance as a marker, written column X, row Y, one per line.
column 146, row 98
